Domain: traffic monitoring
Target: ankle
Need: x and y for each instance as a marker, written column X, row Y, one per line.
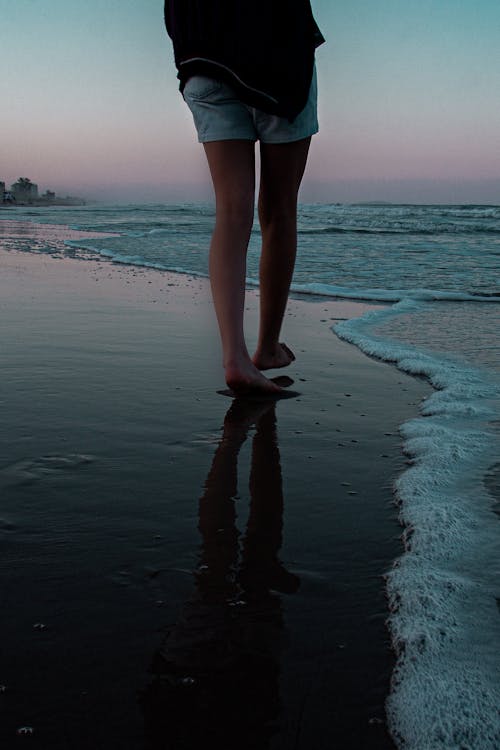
column 267, row 347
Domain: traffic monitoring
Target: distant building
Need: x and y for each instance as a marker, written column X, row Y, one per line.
column 24, row 191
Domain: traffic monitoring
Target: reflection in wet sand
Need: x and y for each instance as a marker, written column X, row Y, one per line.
column 216, row 676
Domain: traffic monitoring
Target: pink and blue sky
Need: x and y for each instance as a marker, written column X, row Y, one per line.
column 409, row 102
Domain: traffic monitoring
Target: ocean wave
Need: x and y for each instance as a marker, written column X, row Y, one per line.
column 132, row 260
column 446, row 684
column 407, row 229
column 392, row 295
column 312, row 289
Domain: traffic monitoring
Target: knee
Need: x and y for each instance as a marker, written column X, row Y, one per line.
column 236, row 212
column 279, row 214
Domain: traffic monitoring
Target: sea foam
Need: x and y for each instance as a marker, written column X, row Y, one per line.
column 443, row 591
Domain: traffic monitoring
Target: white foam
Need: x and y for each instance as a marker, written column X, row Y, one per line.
column 391, row 295
column 131, row 260
column 443, row 591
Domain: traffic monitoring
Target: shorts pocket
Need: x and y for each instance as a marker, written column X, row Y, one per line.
column 201, row 87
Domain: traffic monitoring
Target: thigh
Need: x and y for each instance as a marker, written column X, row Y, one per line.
column 232, row 167
column 281, row 172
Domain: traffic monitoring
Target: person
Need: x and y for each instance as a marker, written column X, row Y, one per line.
column 247, row 73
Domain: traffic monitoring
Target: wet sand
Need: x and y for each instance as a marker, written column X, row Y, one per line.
column 178, row 565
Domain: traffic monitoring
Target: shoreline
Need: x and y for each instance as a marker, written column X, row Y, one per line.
column 111, row 380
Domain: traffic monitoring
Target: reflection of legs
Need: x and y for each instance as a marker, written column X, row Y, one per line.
column 282, row 167
column 217, row 511
column 261, row 570
column 232, row 166
column 218, row 668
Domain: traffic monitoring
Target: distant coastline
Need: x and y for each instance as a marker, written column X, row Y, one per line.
column 24, row 192
column 68, row 201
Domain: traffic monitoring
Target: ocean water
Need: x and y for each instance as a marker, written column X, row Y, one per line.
column 438, row 270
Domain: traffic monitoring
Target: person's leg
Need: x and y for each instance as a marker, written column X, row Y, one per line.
column 282, row 168
column 232, row 166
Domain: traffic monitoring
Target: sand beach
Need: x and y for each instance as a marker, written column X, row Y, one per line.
column 179, row 565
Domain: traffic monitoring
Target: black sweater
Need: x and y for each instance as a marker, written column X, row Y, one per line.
column 263, row 48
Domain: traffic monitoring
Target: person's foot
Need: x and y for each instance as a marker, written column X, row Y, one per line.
column 244, row 378
column 280, row 356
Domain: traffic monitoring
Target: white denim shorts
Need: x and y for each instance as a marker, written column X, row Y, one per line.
column 220, row 116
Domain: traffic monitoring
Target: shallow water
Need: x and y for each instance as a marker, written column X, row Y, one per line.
column 133, row 530
column 439, row 266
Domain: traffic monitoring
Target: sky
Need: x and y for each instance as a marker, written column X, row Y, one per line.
column 409, row 102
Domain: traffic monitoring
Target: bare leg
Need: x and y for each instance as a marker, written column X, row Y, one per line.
column 282, row 168
column 232, row 166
